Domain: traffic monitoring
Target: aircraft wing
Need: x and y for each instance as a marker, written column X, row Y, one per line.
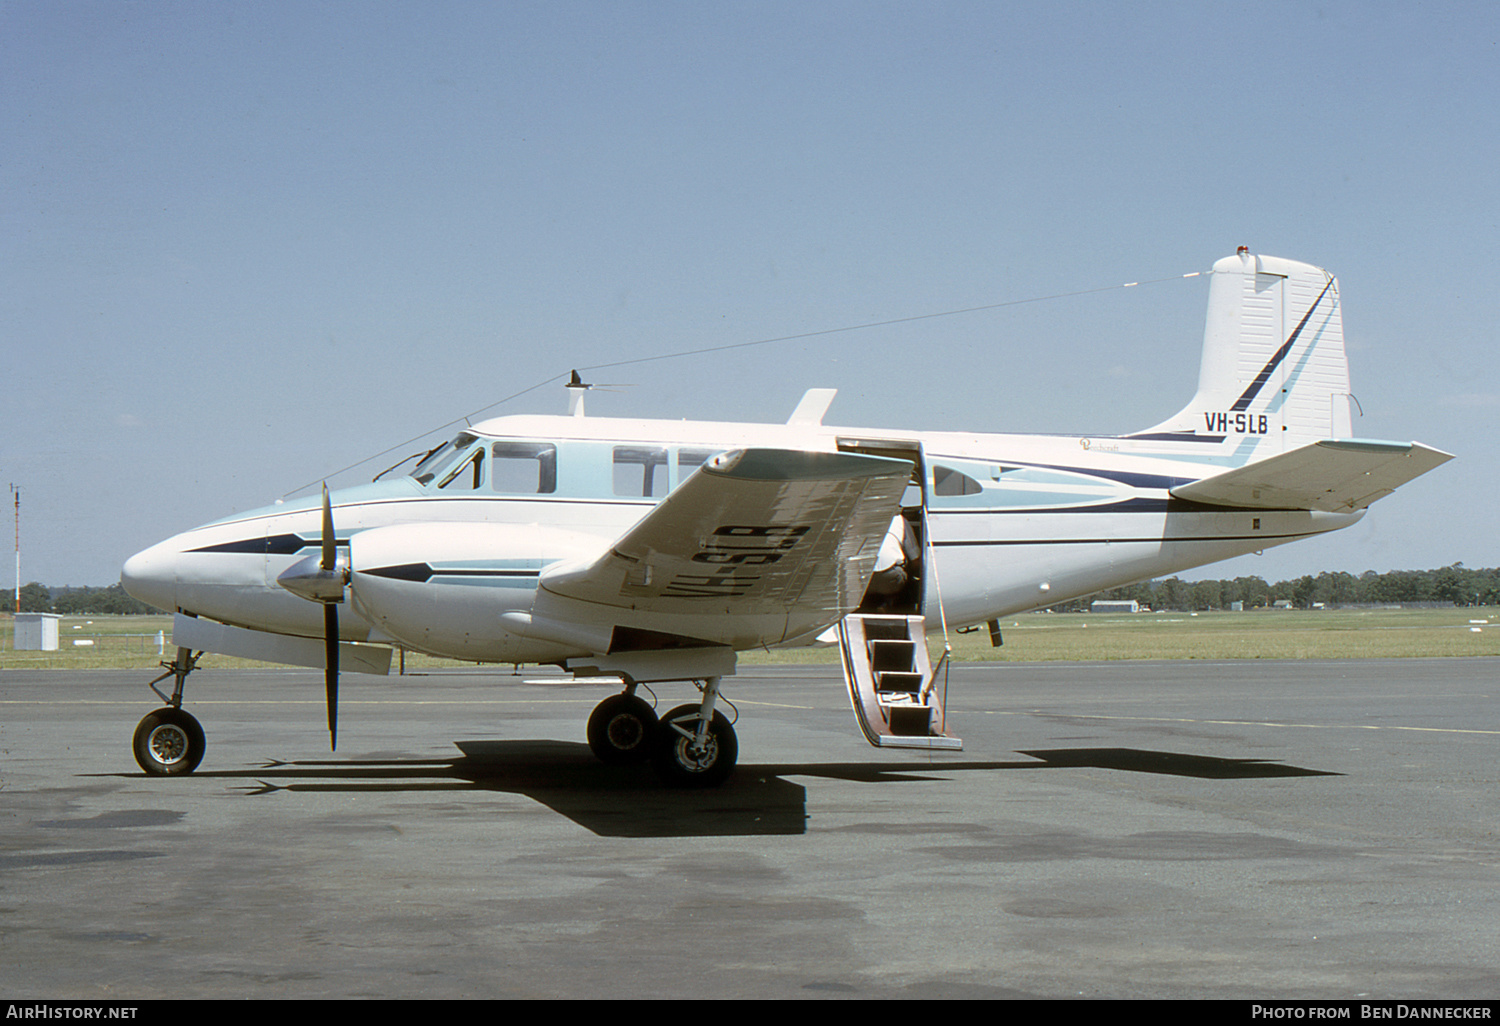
column 1334, row 476
column 757, row 546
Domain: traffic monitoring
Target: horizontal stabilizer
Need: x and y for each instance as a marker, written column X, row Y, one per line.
column 1334, row 476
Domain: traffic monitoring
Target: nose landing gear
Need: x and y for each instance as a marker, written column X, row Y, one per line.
column 169, row 742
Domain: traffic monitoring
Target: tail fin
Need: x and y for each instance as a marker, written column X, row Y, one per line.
column 1274, row 376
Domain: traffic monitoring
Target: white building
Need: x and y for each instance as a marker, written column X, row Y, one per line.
column 36, row 632
column 1114, row 606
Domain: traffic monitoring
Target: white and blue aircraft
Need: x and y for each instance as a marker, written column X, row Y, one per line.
column 654, row 551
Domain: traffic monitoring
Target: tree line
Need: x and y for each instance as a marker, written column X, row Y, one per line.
column 1449, row 585
column 38, row 598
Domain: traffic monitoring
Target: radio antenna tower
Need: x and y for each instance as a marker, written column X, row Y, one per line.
column 17, row 493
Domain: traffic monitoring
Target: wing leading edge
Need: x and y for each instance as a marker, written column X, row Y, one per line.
column 1333, row 476
column 757, row 547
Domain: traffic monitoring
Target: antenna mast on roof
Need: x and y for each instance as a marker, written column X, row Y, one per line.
column 576, row 387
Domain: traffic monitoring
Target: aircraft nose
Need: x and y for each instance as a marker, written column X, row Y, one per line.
column 151, row 576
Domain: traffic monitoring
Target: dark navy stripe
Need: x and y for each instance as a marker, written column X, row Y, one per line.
column 1150, row 539
column 358, row 503
column 1176, row 436
column 275, row 545
column 1170, row 504
column 1243, row 402
column 1119, row 476
column 421, row 573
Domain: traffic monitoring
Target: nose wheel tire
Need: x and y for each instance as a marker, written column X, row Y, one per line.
column 169, row 742
column 620, row 730
column 681, row 762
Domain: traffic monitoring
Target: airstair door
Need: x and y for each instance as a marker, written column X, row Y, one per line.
column 899, row 588
column 896, row 697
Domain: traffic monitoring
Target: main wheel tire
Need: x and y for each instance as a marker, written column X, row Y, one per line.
column 169, row 743
column 679, row 764
column 620, row 730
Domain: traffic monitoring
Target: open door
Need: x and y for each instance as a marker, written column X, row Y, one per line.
column 898, row 585
column 883, row 644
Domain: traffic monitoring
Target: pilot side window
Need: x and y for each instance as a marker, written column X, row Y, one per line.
column 523, row 468
column 467, row 476
column 437, row 463
column 640, row 472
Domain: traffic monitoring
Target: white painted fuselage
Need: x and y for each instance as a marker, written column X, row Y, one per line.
column 509, row 544
column 1013, row 522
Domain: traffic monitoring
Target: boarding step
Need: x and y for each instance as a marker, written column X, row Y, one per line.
column 910, row 683
column 891, row 687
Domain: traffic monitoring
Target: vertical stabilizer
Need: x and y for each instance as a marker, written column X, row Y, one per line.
column 1274, row 375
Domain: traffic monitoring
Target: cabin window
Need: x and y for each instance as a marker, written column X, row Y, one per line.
column 640, row 472
column 947, row 481
column 689, row 460
column 524, row 468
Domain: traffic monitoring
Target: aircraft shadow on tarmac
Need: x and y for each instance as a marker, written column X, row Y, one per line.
column 614, row 801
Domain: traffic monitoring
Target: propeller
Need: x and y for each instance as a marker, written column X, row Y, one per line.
column 328, row 564
column 322, row 578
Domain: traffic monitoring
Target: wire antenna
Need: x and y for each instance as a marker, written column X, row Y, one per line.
column 575, row 381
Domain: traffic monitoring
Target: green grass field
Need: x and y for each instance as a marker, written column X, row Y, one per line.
column 131, row 641
column 1260, row 634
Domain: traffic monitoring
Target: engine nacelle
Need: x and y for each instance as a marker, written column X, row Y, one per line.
column 460, row 590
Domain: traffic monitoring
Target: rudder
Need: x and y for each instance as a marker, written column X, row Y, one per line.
column 1274, row 374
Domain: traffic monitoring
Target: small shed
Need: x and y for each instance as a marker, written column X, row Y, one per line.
column 36, row 632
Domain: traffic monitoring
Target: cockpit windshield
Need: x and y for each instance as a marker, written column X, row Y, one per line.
column 439, row 461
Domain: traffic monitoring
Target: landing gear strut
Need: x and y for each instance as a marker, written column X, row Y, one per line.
column 169, row 742
column 691, row 746
column 695, row 745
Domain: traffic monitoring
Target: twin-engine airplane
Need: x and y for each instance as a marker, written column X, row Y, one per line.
column 654, row 551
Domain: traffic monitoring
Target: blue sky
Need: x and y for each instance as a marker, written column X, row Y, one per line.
column 245, row 245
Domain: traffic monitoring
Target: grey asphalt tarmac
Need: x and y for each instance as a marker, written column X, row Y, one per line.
column 1244, row 830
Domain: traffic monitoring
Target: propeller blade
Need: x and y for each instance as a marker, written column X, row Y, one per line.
column 330, row 543
column 331, row 671
column 329, row 564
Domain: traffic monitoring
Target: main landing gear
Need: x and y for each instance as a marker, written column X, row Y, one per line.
column 170, row 742
column 691, row 746
column 620, row 728
column 694, row 745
